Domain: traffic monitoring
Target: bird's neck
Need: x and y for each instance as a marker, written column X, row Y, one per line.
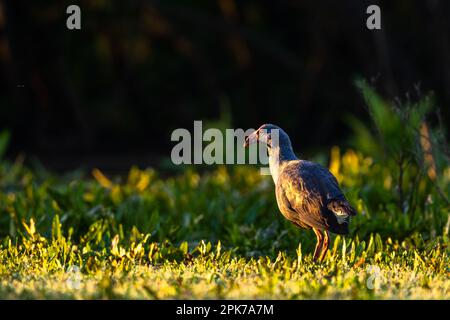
column 277, row 157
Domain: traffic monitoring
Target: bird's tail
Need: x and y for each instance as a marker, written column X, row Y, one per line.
column 341, row 208
column 342, row 211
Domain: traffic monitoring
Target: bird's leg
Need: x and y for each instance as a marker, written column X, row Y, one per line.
column 325, row 245
column 319, row 236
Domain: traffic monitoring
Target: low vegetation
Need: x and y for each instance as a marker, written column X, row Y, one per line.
column 218, row 234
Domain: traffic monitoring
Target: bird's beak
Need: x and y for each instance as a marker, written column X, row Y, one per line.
column 251, row 139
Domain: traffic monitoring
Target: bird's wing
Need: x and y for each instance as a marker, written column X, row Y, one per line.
column 313, row 193
column 329, row 188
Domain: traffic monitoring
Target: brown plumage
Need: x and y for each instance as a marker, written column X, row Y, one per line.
column 307, row 194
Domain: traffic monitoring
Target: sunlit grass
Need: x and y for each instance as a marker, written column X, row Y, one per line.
column 37, row 268
column 212, row 235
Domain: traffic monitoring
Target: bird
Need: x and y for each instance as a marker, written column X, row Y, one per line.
column 307, row 194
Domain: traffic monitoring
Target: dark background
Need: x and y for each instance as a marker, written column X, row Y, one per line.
column 110, row 94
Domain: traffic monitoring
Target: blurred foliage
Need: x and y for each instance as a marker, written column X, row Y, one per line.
column 4, row 141
column 236, row 206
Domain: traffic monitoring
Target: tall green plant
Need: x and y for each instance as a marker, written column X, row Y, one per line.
column 406, row 145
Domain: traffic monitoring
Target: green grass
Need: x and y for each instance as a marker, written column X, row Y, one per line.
column 404, row 274
column 216, row 235
column 40, row 269
column 219, row 234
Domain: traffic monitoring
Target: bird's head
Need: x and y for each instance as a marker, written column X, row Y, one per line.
column 269, row 134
